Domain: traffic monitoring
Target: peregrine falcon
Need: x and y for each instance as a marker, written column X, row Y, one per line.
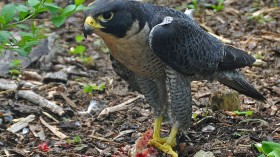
column 159, row 51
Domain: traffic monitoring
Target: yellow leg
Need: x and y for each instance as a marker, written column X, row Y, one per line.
column 171, row 140
column 156, row 135
column 164, row 144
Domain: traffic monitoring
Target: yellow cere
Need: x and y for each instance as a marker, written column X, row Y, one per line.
column 92, row 22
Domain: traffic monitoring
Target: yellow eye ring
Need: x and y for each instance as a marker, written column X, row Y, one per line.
column 105, row 17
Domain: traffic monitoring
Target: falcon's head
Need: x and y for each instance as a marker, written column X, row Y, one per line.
column 110, row 17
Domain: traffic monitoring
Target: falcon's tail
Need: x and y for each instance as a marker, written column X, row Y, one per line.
column 235, row 58
column 236, row 81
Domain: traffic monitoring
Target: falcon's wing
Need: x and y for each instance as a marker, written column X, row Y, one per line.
column 188, row 49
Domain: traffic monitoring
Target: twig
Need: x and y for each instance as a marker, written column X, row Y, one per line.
column 102, row 139
column 53, row 129
column 123, row 133
column 50, row 116
column 69, row 101
column 7, row 152
column 245, row 130
column 205, row 120
column 119, row 107
column 37, row 99
column 263, row 122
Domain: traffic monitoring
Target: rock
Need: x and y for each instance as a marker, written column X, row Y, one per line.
column 7, row 56
column 59, row 76
column 226, row 101
column 202, row 153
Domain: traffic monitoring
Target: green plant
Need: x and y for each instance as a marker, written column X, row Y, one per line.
column 76, row 140
column 14, row 70
column 269, row 149
column 79, row 50
column 244, row 113
column 261, row 19
column 196, row 5
column 94, row 87
column 194, row 116
column 193, row 5
column 22, row 17
column 216, row 8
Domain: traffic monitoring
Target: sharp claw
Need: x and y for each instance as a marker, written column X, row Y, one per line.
column 164, row 144
column 166, row 148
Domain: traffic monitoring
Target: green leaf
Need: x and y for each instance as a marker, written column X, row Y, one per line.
column 194, row 116
column 25, row 39
column 87, row 89
column 190, row 6
column 208, row 5
column 23, row 26
column 14, row 72
column 86, row 60
column 269, row 146
column 15, row 63
column 81, row 7
column 22, row 15
column 259, row 147
column 33, row 3
column 68, row 10
column 23, row 11
column 274, row 153
column 58, row 20
column 33, row 28
column 78, row 2
column 77, row 139
column 219, row 8
column 52, row 7
column 2, row 20
column 98, row 88
column 244, row 113
column 79, row 50
column 41, row 9
column 79, row 38
column 4, row 35
column 29, row 45
column 21, row 52
column 8, row 12
column 22, row 8
column 102, row 87
column 26, row 35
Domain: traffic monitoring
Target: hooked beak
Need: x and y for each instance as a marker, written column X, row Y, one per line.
column 90, row 26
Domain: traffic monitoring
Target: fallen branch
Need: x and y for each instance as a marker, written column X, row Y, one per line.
column 53, row 129
column 119, row 107
column 37, row 99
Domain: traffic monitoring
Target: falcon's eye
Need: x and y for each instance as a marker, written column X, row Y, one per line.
column 106, row 17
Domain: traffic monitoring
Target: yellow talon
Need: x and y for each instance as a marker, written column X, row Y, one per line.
column 164, row 144
column 168, row 149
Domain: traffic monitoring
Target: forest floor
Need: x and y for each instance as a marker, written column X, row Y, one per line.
column 250, row 25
